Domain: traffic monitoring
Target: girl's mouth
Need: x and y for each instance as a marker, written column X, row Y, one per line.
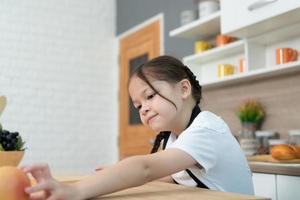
column 150, row 119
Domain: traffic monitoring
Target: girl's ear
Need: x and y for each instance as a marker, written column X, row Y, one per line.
column 186, row 88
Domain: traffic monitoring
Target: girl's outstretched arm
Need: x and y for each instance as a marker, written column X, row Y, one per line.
column 130, row 172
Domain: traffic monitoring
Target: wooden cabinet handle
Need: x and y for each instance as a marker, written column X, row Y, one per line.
column 259, row 4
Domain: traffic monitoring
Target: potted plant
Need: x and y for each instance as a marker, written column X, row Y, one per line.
column 11, row 143
column 11, row 148
column 251, row 114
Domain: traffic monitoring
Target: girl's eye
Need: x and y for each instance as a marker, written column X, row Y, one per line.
column 151, row 96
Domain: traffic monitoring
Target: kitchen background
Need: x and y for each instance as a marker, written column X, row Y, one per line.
column 59, row 71
column 280, row 95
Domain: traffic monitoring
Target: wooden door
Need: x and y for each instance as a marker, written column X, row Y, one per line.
column 135, row 49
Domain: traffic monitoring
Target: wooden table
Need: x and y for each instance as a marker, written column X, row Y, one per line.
column 166, row 191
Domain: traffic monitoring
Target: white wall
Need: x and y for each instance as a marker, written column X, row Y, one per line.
column 58, row 69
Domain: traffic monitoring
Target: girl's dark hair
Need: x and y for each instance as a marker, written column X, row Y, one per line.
column 172, row 70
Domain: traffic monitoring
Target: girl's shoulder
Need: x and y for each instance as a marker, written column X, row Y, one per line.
column 206, row 116
column 210, row 120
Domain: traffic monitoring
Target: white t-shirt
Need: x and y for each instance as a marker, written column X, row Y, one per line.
column 210, row 142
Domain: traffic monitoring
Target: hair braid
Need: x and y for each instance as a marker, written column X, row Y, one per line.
column 196, row 87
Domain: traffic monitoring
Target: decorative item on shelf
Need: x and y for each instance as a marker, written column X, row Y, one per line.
column 201, row 46
column 187, row 16
column 242, row 65
column 207, row 7
column 251, row 115
column 222, row 40
column 285, row 55
column 225, row 70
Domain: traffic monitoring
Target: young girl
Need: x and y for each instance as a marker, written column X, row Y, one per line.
column 200, row 150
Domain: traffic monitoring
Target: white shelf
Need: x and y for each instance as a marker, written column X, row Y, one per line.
column 200, row 29
column 216, row 53
column 278, row 35
column 254, row 75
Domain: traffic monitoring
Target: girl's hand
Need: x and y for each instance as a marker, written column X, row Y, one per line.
column 47, row 187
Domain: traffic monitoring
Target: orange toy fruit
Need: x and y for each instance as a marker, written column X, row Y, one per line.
column 13, row 181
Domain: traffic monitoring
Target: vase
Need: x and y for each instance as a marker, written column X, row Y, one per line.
column 248, row 130
column 248, row 142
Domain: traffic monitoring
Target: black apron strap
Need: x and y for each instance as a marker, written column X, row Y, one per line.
column 199, row 183
column 195, row 112
column 166, row 137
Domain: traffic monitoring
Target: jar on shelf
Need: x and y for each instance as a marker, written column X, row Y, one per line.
column 263, row 140
column 294, row 137
column 187, row 16
column 207, row 7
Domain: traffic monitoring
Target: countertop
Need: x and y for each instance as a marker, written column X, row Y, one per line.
column 290, row 169
column 166, row 191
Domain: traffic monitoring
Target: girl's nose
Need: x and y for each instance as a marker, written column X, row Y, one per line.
column 145, row 109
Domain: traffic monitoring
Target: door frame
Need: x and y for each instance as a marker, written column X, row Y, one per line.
column 159, row 17
column 127, row 34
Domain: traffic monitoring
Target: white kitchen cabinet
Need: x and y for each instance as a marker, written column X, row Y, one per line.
column 265, row 185
column 203, row 28
column 258, row 51
column 205, row 64
column 248, row 18
column 288, row 187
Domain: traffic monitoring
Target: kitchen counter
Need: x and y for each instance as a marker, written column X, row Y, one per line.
column 157, row 190
column 290, row 169
column 163, row 191
column 166, row 191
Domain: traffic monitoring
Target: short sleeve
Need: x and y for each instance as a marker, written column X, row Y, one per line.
column 201, row 142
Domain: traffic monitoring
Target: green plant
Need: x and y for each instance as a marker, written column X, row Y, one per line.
column 251, row 111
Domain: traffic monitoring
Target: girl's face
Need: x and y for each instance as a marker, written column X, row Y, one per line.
column 155, row 111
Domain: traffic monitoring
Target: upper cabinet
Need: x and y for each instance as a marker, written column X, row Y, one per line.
column 202, row 28
column 261, row 28
column 253, row 17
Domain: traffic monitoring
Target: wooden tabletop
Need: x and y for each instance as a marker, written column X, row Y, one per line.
column 166, row 191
